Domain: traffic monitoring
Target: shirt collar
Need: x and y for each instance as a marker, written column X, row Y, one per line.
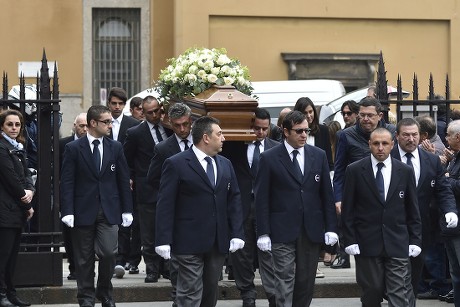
column 374, row 161
column 92, row 138
column 402, row 153
column 289, row 148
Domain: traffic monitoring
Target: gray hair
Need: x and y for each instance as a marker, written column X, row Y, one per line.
column 454, row 126
column 179, row 110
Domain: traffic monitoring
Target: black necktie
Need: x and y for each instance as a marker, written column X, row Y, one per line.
column 185, row 144
column 158, row 133
column 379, row 180
column 295, row 152
column 255, row 158
column 210, row 171
column 409, row 156
column 97, row 155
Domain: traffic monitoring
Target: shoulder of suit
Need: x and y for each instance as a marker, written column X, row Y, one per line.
column 131, row 120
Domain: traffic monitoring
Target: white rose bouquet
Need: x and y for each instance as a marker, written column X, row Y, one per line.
column 197, row 69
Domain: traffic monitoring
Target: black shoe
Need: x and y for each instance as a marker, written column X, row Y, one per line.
column 17, row 301
column 133, row 269
column 127, row 266
column 151, row 278
column 106, row 302
column 428, row 295
column 250, row 302
column 72, row 276
column 449, row 297
column 5, row 302
column 341, row 264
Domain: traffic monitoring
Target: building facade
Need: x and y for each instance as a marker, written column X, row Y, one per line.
column 102, row 43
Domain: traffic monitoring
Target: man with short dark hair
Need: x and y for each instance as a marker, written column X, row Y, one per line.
column 353, row 145
column 135, row 107
column 95, row 199
column 245, row 159
column 349, row 111
column 295, row 211
column 116, row 101
column 381, row 222
column 139, row 148
column 431, row 185
column 199, row 216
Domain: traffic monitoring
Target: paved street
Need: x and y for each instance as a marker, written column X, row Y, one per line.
column 322, row 302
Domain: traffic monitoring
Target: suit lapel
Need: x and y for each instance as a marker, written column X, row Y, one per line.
column 148, row 135
column 424, row 162
column 311, row 161
column 106, row 155
column 286, row 161
column 220, row 169
column 87, row 154
column 369, row 179
column 395, row 178
column 196, row 166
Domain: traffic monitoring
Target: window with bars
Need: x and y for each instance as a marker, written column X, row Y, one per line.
column 116, row 51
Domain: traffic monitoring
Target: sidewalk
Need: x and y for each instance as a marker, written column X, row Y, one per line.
column 337, row 283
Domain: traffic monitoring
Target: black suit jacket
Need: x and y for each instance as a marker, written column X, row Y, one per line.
column 62, row 143
column 432, row 185
column 192, row 215
column 284, row 203
column 84, row 191
column 380, row 227
column 126, row 123
column 139, row 148
column 322, row 140
column 161, row 152
column 236, row 152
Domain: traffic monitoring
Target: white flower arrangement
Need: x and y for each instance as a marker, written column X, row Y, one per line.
column 198, row 69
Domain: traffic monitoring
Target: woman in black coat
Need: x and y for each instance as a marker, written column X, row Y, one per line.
column 16, row 193
column 319, row 135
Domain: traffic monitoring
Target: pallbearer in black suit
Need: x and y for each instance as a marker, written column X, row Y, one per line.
column 179, row 115
column 79, row 129
column 95, row 199
column 139, row 147
column 295, row 211
column 199, row 214
column 245, row 159
column 432, row 187
column 381, row 222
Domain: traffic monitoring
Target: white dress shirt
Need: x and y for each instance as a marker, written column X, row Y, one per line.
column 300, row 156
column 386, row 171
column 200, row 155
column 415, row 162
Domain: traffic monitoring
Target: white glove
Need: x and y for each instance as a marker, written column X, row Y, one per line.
column 68, row 220
column 127, row 219
column 352, row 249
column 236, row 244
column 414, row 250
column 164, row 251
column 264, row 243
column 451, row 219
column 330, row 238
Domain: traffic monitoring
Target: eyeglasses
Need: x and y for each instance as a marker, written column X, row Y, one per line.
column 107, row 121
column 347, row 113
column 300, row 130
column 153, row 111
column 13, row 124
column 368, row 115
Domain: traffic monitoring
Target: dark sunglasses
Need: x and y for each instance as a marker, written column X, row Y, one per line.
column 300, row 130
column 347, row 113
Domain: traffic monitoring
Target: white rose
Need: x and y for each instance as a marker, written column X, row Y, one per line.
column 212, row 78
column 232, row 72
column 240, row 81
column 190, row 77
column 228, row 80
column 224, row 69
column 192, row 69
column 201, row 74
column 208, row 65
column 215, row 70
column 223, row 59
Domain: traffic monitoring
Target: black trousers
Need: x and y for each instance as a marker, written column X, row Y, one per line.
column 135, row 249
column 66, row 230
column 100, row 239
column 11, row 239
column 244, row 261
column 147, row 213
